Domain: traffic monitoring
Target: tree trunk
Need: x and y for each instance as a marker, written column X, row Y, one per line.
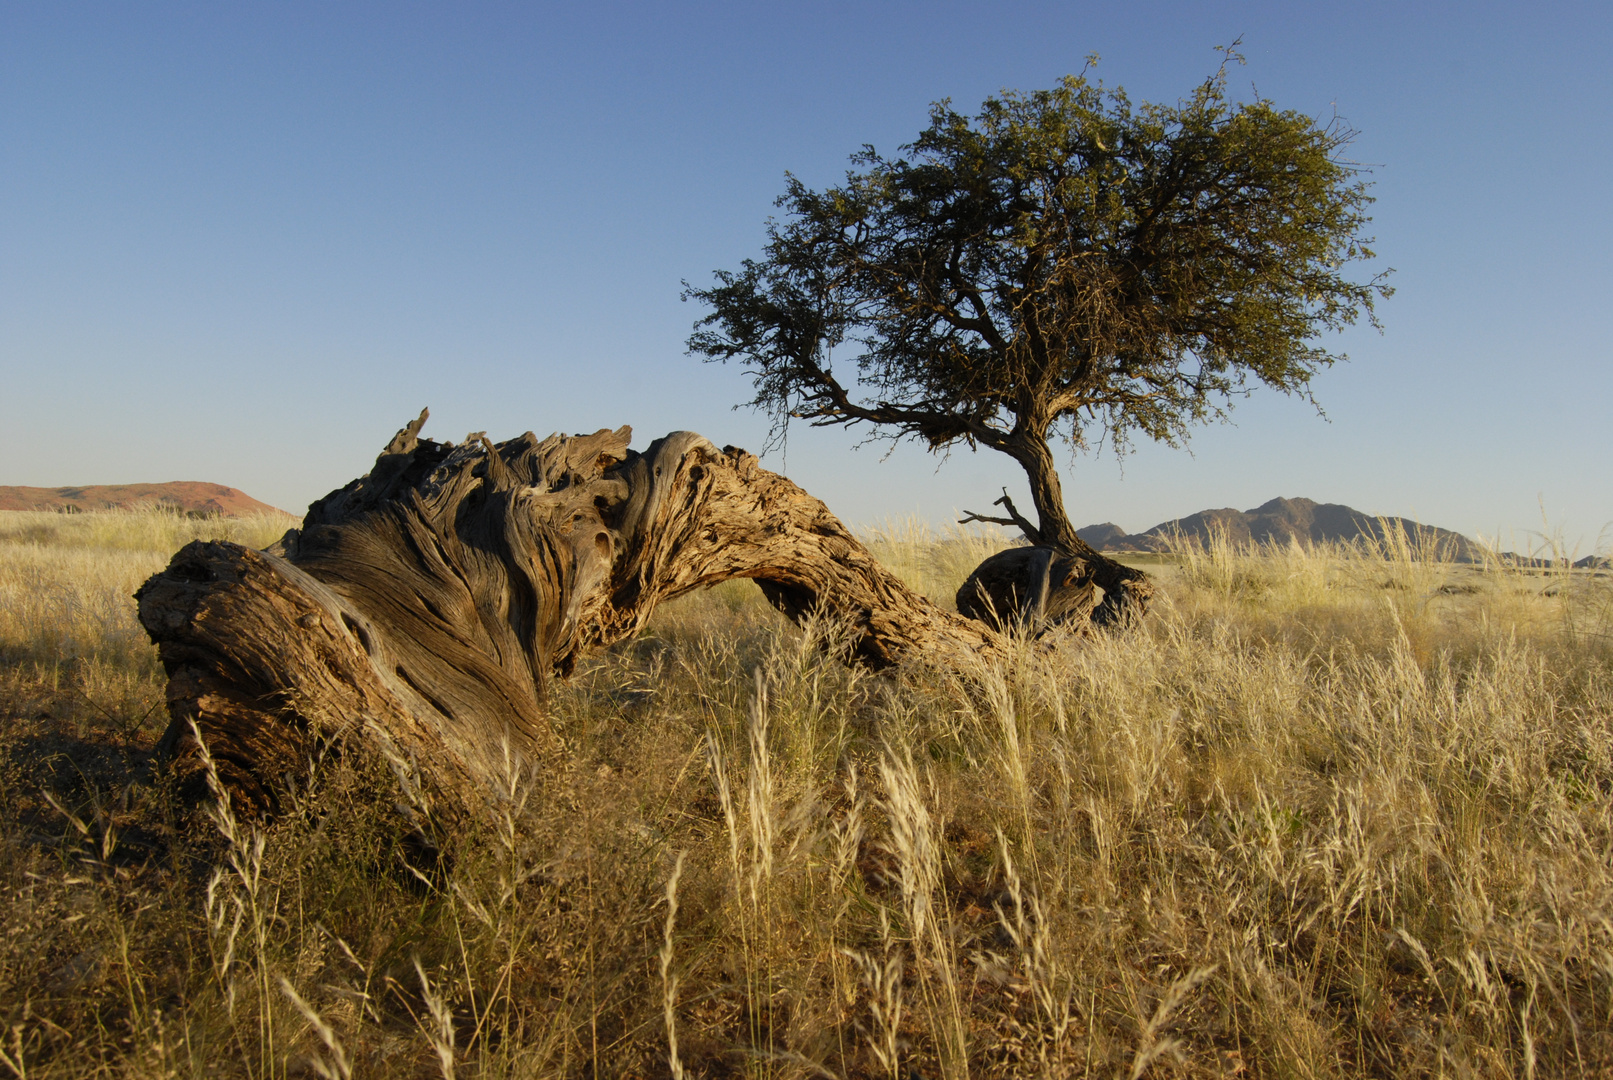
column 425, row 608
column 1126, row 591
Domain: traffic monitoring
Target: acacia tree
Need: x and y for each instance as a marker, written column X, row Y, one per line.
column 1062, row 265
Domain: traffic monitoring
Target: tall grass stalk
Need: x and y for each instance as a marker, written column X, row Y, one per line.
column 669, row 981
column 240, row 914
column 916, row 844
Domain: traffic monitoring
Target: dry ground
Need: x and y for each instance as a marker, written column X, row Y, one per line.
column 1324, row 813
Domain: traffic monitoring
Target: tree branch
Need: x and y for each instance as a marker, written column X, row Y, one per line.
column 832, row 404
column 1014, row 518
column 982, row 323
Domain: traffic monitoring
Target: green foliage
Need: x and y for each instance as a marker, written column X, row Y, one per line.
column 1062, row 260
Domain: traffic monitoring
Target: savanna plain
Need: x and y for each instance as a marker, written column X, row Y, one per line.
column 1328, row 811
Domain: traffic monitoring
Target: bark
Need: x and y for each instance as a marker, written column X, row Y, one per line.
column 1126, row 590
column 1027, row 589
column 1059, row 585
column 426, row 608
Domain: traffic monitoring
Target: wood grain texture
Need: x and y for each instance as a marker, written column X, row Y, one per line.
column 427, row 607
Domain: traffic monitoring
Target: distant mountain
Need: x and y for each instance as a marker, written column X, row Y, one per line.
column 1106, row 537
column 1279, row 522
column 189, row 496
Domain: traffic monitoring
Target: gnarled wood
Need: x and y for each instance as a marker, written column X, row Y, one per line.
column 427, row 606
column 999, row 589
column 1028, row 589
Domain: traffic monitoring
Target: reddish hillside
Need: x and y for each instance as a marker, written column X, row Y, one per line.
column 187, row 495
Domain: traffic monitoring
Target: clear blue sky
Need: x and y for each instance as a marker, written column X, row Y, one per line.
column 245, row 242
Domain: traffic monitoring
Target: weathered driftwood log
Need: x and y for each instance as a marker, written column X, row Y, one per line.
column 425, row 608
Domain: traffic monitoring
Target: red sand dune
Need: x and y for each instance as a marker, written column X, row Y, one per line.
column 189, row 495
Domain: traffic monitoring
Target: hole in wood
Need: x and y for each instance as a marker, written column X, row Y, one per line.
column 359, row 632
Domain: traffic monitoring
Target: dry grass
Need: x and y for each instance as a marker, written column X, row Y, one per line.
column 66, row 581
column 1325, row 813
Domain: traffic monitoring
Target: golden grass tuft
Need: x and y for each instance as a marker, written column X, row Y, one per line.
column 1326, row 812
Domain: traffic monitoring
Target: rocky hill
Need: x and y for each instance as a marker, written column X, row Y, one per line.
column 1279, row 522
column 188, row 496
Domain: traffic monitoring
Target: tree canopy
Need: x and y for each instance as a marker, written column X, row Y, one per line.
column 1064, row 264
